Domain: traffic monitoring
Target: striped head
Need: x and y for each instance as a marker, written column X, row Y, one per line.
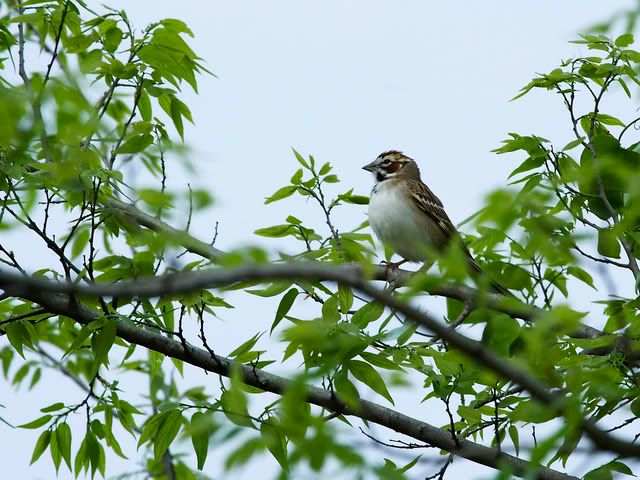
column 393, row 164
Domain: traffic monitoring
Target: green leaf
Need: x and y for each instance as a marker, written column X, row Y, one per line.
column 176, row 25
column 346, row 389
column 608, row 244
column 331, row 179
column 345, row 298
column 624, row 40
column 79, row 242
column 235, row 408
column 472, row 416
column 293, row 220
column 325, row 169
column 409, row 465
column 407, row 332
column 300, row 159
column 112, row 39
column 283, row 192
column 200, row 435
column 604, row 472
column 95, row 453
column 283, row 307
column 330, row 312
column 144, row 106
column 296, row 179
column 515, row 438
column 272, row 290
column 246, row 346
column 277, row 231
column 37, row 423
column 354, row 199
column 275, row 442
column 369, row 376
column 573, row 144
column 581, row 275
column 501, row 331
column 41, row 446
column 609, row 120
column 150, row 428
column 624, row 86
column 177, row 111
column 101, row 343
column 617, row 466
column 168, row 427
column 531, row 411
column 135, row 144
column 53, row 407
column 90, row 61
column 529, row 164
column 369, row 312
column 155, row 198
column 83, row 334
column 27, row 18
column 379, row 360
column 63, row 440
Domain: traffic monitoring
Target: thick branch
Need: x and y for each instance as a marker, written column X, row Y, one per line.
column 28, row 287
column 63, row 305
column 399, row 277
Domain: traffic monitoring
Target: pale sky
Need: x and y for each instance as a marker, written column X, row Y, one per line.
column 345, row 81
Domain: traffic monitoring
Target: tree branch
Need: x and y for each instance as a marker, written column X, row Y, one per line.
column 183, row 282
column 64, row 305
column 181, row 237
column 471, row 296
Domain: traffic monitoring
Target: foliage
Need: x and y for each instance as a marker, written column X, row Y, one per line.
column 74, row 129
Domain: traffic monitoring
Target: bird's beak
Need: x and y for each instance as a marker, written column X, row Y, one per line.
column 370, row 167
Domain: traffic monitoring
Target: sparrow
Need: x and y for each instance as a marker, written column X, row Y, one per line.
column 408, row 217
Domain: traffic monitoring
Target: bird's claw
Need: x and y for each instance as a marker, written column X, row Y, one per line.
column 391, row 272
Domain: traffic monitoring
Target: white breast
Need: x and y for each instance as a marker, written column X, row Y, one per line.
column 399, row 224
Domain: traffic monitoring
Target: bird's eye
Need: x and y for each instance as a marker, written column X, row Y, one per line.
column 386, row 163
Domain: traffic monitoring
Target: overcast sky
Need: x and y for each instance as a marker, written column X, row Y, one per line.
column 345, row 81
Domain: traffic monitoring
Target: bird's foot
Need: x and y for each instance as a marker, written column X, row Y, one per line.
column 391, row 272
column 391, row 268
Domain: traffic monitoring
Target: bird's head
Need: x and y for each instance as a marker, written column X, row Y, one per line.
column 393, row 164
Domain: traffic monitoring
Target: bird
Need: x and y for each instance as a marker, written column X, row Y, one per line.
column 408, row 217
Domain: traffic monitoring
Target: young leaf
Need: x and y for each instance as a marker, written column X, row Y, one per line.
column 370, row 377
column 235, row 407
column 37, row 423
column 624, row 40
column 63, row 440
column 283, row 192
column 275, row 442
column 284, row 307
column 41, row 446
column 300, row 159
column 581, row 275
column 200, row 434
column 366, row 314
column 346, row 389
column 102, row 342
column 168, row 427
column 276, row 231
column 345, row 298
column 515, row 438
column 79, row 242
column 608, row 244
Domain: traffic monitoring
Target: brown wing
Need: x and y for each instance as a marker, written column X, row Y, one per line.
column 430, row 205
